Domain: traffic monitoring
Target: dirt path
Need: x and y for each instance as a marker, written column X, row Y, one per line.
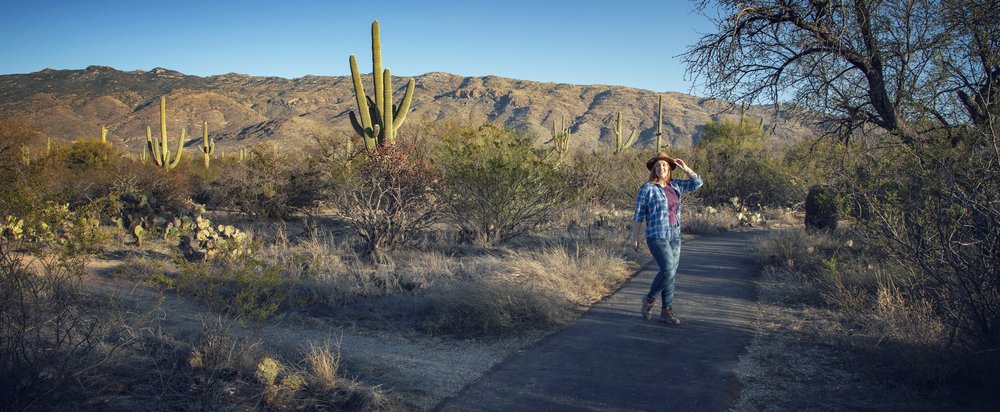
column 612, row 359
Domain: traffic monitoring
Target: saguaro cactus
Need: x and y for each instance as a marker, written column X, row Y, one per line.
column 104, row 134
column 208, row 145
column 560, row 136
column 619, row 144
column 659, row 124
column 380, row 118
column 161, row 153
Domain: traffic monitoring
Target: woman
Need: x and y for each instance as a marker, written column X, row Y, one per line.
column 658, row 204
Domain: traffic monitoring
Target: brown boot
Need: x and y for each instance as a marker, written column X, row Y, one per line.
column 667, row 315
column 647, row 308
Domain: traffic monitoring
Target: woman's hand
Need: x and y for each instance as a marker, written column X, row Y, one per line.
column 683, row 166
column 635, row 245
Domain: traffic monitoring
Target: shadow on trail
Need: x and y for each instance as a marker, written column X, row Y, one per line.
column 612, row 359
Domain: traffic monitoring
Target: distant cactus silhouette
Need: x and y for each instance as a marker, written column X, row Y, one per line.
column 659, row 124
column 380, row 118
column 208, row 145
column 620, row 145
column 560, row 136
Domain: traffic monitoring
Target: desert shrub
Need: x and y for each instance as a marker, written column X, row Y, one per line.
column 269, row 184
column 933, row 207
column 822, row 208
column 388, row 196
column 51, row 334
column 82, row 171
column 20, row 190
column 243, row 287
column 498, row 186
column 145, row 198
column 610, row 179
column 737, row 160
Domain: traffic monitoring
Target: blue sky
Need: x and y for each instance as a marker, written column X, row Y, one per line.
column 628, row 43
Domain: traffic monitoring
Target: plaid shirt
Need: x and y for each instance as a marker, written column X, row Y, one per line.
column 651, row 205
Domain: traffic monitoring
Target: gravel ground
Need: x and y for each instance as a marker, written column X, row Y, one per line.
column 419, row 371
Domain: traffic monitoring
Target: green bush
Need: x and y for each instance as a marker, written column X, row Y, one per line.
column 244, row 288
column 498, row 186
column 19, row 192
column 738, row 161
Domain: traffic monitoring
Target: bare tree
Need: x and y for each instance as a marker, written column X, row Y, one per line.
column 904, row 66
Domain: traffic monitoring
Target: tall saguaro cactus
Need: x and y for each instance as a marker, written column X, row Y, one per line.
column 379, row 117
column 160, row 152
column 208, row 145
column 620, row 146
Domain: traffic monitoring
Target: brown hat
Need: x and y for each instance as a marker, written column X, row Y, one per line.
column 661, row 156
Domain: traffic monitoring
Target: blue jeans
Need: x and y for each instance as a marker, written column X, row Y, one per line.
column 667, row 253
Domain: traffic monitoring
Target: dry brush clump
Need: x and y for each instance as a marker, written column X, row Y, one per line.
column 269, row 184
column 389, row 196
column 872, row 307
column 490, row 293
column 225, row 366
column 54, row 338
column 527, row 291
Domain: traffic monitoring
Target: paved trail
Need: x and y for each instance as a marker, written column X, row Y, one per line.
column 613, row 360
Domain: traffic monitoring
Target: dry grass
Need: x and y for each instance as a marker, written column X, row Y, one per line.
column 839, row 329
column 709, row 221
column 454, row 290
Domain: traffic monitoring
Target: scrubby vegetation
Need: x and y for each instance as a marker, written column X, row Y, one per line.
column 475, row 234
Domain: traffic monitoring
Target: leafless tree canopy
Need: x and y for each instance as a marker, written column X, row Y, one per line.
column 905, row 66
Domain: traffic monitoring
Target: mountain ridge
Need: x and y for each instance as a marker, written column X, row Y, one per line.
column 241, row 109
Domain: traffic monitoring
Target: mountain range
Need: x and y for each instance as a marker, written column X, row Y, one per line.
column 242, row 109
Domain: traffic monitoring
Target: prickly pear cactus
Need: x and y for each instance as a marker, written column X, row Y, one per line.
column 205, row 242
column 137, row 214
column 267, row 371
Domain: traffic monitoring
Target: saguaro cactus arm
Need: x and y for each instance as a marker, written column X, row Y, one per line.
column 364, row 128
column 389, row 131
column 404, row 105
